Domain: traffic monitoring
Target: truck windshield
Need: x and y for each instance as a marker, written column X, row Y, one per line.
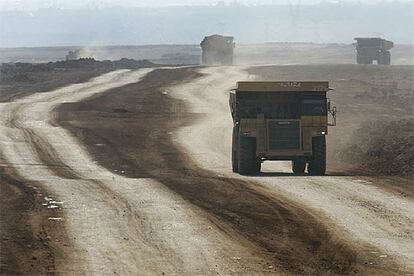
column 314, row 107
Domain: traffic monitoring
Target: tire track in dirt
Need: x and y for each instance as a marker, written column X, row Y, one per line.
column 49, row 157
column 294, row 237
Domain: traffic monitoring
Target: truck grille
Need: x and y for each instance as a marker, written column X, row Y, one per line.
column 284, row 135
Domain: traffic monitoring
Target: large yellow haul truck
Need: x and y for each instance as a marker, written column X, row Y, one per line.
column 285, row 120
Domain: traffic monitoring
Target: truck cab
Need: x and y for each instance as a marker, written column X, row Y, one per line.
column 280, row 120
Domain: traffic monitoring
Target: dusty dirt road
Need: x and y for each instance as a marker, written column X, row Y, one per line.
column 147, row 189
column 114, row 225
column 352, row 207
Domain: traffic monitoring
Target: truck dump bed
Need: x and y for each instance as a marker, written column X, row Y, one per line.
column 274, row 99
column 374, row 42
column 282, row 86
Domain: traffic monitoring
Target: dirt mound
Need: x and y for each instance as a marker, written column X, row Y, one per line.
column 126, row 63
column 123, row 63
column 18, row 72
column 21, row 72
column 389, row 95
column 384, row 147
column 22, row 79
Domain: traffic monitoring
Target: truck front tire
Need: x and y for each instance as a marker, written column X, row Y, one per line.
column 247, row 156
column 257, row 167
column 363, row 60
column 317, row 165
column 234, row 151
column 385, row 58
column 298, row 166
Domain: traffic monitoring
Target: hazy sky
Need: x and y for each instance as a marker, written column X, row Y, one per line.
column 60, row 26
column 74, row 4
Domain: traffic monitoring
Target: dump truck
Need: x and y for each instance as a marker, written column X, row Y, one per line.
column 79, row 54
column 280, row 120
column 73, row 55
column 217, row 50
column 373, row 48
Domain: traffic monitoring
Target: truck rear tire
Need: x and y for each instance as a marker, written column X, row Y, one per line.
column 298, row 166
column 247, row 155
column 360, row 60
column 317, row 165
column 386, row 58
column 363, row 60
column 257, row 167
column 234, row 147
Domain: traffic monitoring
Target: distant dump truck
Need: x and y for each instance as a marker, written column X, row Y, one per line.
column 73, row 55
column 217, row 49
column 280, row 121
column 79, row 54
column 373, row 48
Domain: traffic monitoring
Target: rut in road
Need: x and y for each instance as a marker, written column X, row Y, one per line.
column 297, row 241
